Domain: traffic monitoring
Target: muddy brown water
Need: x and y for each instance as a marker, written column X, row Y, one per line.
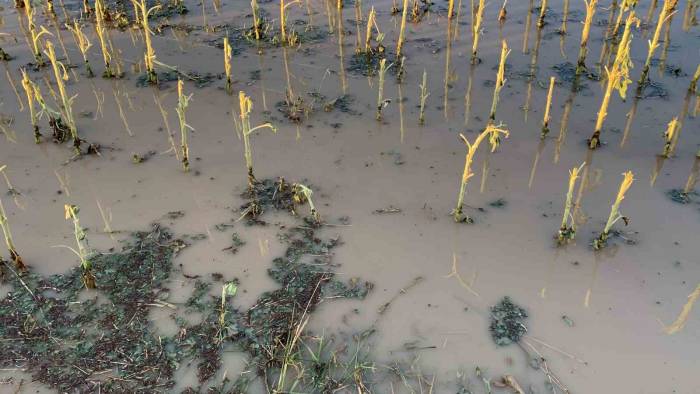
column 618, row 299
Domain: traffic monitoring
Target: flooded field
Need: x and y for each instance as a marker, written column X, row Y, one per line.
column 350, row 197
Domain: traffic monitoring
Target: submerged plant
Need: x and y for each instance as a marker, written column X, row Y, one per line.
column 227, row 64
column 83, row 44
column 476, row 29
column 547, row 108
column 615, row 214
column 5, row 225
column 664, row 16
column 246, row 107
column 381, row 103
column 29, row 88
column 583, row 49
column 567, row 230
column 71, row 213
column 669, row 136
column 500, row 79
column 618, row 78
column 423, row 97
column 493, row 134
column 61, row 75
column 182, row 103
column 301, row 195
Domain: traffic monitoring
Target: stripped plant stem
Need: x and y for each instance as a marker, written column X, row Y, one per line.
column 182, row 103
column 381, row 103
column 14, row 256
column 500, row 80
column 669, row 136
column 567, row 230
column 476, row 30
column 423, row 97
column 667, row 10
column 547, row 108
column 29, row 87
column 71, row 212
column 61, row 75
column 227, row 64
column 583, row 49
column 615, row 214
column 83, row 44
column 301, row 195
column 493, row 134
column 246, row 107
column 618, row 78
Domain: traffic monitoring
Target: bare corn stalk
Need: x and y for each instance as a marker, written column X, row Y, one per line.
column 617, row 76
column 669, row 136
column 543, row 13
column 256, row 18
column 14, row 256
column 615, row 214
column 246, row 107
column 83, row 44
column 583, row 48
column 399, row 44
column 302, row 194
column 71, row 213
column 567, row 230
column 423, row 97
column 476, row 29
column 381, row 103
column 283, row 22
column 227, row 64
column 667, row 10
column 150, row 54
column 493, row 134
column 29, row 87
column 500, row 79
column 182, row 102
column 547, row 108
column 102, row 36
column 61, row 75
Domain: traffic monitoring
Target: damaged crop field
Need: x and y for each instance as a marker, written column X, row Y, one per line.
column 348, row 196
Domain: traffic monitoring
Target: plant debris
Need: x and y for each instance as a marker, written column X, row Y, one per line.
column 507, row 322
